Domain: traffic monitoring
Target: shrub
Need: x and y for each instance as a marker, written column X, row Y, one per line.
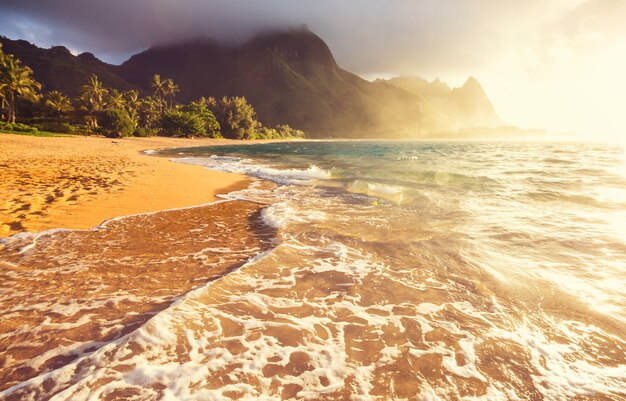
column 19, row 127
column 285, row 131
column 236, row 117
column 201, row 109
column 143, row 132
column 63, row 128
column 116, row 123
column 266, row 133
column 180, row 123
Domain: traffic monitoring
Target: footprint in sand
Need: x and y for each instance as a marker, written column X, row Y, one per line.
column 25, row 206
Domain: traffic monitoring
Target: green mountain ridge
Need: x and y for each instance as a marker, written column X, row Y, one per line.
column 58, row 69
column 290, row 77
column 466, row 106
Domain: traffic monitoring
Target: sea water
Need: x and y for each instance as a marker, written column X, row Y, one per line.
column 397, row 271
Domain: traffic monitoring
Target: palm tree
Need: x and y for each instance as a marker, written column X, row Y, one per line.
column 3, row 101
column 93, row 100
column 170, row 90
column 131, row 99
column 16, row 81
column 58, row 103
column 116, row 100
column 157, row 86
column 150, row 108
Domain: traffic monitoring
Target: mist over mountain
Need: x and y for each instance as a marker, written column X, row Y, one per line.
column 289, row 76
column 465, row 107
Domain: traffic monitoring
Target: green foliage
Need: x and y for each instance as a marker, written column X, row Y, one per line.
column 16, row 82
column 63, row 128
column 144, row 132
column 116, row 123
column 18, row 127
column 286, row 132
column 165, row 90
column 158, row 88
column 236, row 117
column 93, row 100
column 201, row 109
column 170, row 90
column 116, row 113
column 115, row 100
column 180, row 123
column 279, row 132
column 149, row 111
column 58, row 104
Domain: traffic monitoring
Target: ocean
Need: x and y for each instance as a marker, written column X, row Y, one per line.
column 348, row 270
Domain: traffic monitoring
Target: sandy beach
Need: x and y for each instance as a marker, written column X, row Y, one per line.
column 352, row 270
column 79, row 182
column 101, row 284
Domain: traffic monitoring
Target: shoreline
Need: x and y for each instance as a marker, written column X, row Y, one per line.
column 81, row 182
column 103, row 252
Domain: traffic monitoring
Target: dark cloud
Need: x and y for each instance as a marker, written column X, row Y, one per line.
column 368, row 36
column 525, row 53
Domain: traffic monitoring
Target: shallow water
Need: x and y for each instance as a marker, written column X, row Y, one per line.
column 398, row 270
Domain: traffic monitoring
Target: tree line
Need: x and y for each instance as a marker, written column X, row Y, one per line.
column 114, row 113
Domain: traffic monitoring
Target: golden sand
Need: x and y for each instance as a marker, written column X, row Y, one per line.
column 88, row 287
column 79, row 182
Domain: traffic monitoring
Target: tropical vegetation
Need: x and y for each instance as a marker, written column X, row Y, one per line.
column 108, row 111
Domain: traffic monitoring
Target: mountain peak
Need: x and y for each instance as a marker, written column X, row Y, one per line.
column 472, row 83
column 466, row 106
column 290, row 76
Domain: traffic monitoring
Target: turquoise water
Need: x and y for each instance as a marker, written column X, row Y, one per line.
column 554, row 211
column 356, row 271
column 508, row 250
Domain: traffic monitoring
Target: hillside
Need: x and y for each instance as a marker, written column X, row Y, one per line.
column 289, row 77
column 466, row 107
column 58, row 69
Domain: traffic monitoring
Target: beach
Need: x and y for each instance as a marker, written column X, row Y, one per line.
column 334, row 270
column 130, row 268
column 79, row 182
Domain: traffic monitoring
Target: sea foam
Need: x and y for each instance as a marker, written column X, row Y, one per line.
column 246, row 166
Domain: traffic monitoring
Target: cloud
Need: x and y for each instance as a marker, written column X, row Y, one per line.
column 530, row 55
column 367, row 35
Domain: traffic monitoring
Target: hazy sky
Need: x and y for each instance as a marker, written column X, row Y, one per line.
column 555, row 64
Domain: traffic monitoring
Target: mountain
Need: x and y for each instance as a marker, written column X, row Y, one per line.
column 290, row 77
column 58, row 69
column 466, row 107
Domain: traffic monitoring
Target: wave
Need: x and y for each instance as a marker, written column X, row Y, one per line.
column 392, row 193
column 245, row 166
column 280, row 215
column 79, row 289
column 554, row 160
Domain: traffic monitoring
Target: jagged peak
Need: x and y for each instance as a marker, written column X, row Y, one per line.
column 61, row 50
column 472, row 83
column 88, row 56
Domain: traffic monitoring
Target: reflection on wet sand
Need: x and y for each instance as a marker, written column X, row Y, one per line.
column 73, row 291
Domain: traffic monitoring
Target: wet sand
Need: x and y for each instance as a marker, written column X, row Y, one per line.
column 73, row 291
column 79, row 182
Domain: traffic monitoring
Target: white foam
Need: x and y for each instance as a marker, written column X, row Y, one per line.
column 280, row 215
column 559, row 377
column 393, row 193
column 246, row 166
